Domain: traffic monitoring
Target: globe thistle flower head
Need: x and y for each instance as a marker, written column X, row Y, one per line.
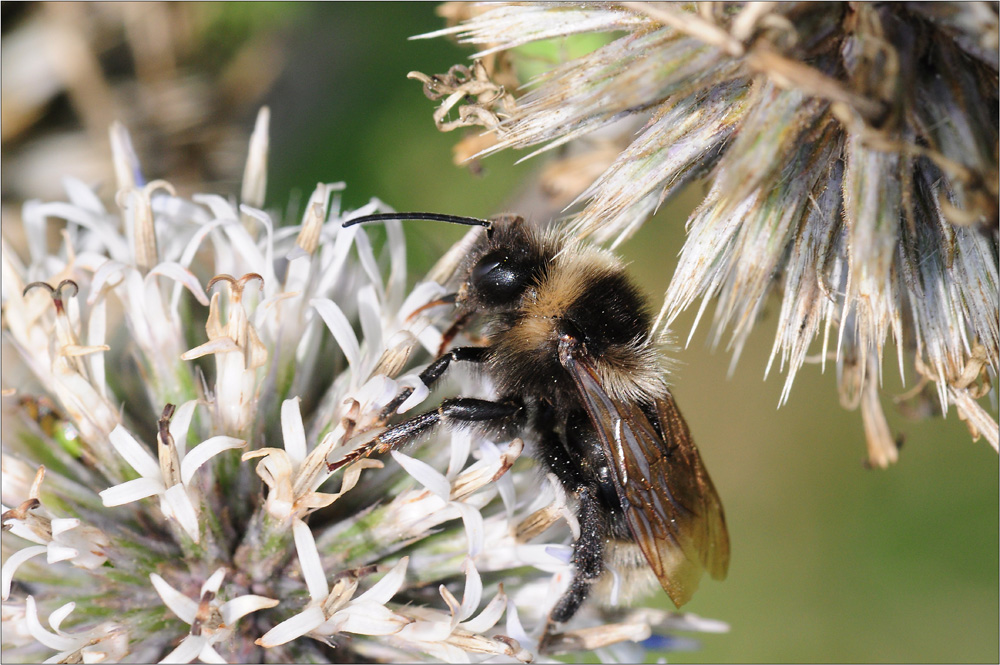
column 852, row 157
column 179, row 377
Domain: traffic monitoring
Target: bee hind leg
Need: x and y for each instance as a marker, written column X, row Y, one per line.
column 588, row 555
column 588, row 562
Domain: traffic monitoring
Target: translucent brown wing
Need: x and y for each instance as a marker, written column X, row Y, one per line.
column 669, row 501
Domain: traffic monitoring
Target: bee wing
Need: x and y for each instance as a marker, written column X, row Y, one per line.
column 669, row 501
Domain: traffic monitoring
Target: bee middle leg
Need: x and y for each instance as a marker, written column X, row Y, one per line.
column 504, row 416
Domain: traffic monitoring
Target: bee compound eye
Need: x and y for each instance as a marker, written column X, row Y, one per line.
column 484, row 267
column 498, row 279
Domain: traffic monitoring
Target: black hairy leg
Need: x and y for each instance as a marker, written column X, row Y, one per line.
column 562, row 455
column 434, row 371
column 484, row 415
column 588, row 555
column 588, row 562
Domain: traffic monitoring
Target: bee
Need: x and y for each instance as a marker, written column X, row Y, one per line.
column 568, row 346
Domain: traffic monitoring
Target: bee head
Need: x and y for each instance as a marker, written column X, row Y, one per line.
column 505, row 264
column 508, row 261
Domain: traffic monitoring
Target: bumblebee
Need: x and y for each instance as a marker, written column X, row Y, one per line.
column 568, row 346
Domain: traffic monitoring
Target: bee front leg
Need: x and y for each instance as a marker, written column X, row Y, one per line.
column 434, row 371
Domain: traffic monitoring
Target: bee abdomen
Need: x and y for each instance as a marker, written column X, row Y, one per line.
column 627, row 575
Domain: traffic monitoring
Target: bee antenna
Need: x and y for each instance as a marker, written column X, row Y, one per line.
column 428, row 216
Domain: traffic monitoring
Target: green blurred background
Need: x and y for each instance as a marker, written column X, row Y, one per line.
column 832, row 562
